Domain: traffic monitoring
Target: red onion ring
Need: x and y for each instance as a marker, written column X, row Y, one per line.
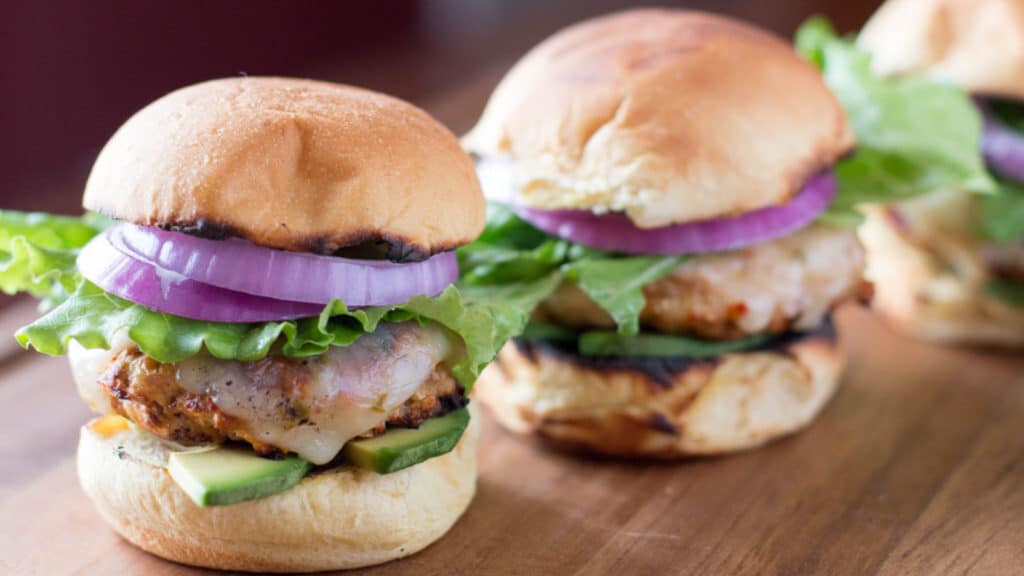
column 615, row 232
column 1002, row 147
column 241, row 266
column 103, row 264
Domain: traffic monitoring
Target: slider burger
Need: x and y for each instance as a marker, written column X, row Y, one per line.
column 677, row 163
column 265, row 315
column 949, row 266
column 667, row 183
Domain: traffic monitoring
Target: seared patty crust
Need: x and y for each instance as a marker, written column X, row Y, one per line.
column 1005, row 261
column 791, row 283
column 149, row 394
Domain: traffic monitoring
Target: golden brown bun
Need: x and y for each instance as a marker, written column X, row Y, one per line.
column 978, row 44
column 616, row 408
column 670, row 116
column 290, row 164
column 343, row 518
column 932, row 285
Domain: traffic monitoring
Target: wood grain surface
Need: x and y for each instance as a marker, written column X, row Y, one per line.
column 916, row 467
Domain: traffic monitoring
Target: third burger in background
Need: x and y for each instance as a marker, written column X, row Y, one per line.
column 675, row 175
column 949, row 266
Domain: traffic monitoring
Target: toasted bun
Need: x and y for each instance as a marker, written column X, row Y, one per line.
column 667, row 115
column 661, row 408
column 978, row 44
column 343, row 518
column 916, row 291
column 290, row 164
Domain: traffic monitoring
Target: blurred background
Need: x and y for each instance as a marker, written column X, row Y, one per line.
column 72, row 71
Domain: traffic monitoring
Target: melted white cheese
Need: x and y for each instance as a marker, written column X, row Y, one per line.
column 88, row 365
column 348, row 390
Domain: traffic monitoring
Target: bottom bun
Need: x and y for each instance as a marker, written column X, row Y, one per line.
column 662, row 408
column 920, row 294
column 342, row 518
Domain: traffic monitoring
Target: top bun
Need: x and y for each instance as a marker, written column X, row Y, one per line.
column 978, row 44
column 290, row 164
column 670, row 116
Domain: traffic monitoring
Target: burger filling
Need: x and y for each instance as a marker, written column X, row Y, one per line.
column 249, row 366
column 789, row 284
column 395, row 377
column 964, row 261
column 599, row 303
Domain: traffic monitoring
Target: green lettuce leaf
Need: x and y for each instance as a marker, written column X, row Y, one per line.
column 616, row 284
column 510, row 305
column 1010, row 292
column 92, row 317
column 38, row 251
column 49, row 230
column 913, row 136
column 1002, row 215
column 1008, row 112
column 511, row 250
column 511, row 254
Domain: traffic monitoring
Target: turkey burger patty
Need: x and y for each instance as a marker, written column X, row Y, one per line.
column 791, row 283
column 393, row 377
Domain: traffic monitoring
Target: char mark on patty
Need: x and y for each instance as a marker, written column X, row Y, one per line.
column 149, row 394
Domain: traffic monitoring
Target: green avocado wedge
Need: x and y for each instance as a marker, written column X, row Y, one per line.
column 1009, row 292
column 221, row 476
column 400, row 448
column 644, row 344
column 607, row 343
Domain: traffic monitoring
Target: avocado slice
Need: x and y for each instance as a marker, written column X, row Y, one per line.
column 220, row 476
column 550, row 333
column 400, row 448
column 611, row 343
column 1010, row 292
column 607, row 343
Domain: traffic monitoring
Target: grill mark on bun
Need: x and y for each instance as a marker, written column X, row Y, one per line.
column 662, row 423
column 366, row 245
column 294, row 165
column 203, row 228
column 371, row 244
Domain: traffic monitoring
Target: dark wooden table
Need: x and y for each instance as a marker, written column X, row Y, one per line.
column 916, row 467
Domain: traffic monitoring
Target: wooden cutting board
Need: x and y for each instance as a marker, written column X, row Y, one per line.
column 916, row 467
